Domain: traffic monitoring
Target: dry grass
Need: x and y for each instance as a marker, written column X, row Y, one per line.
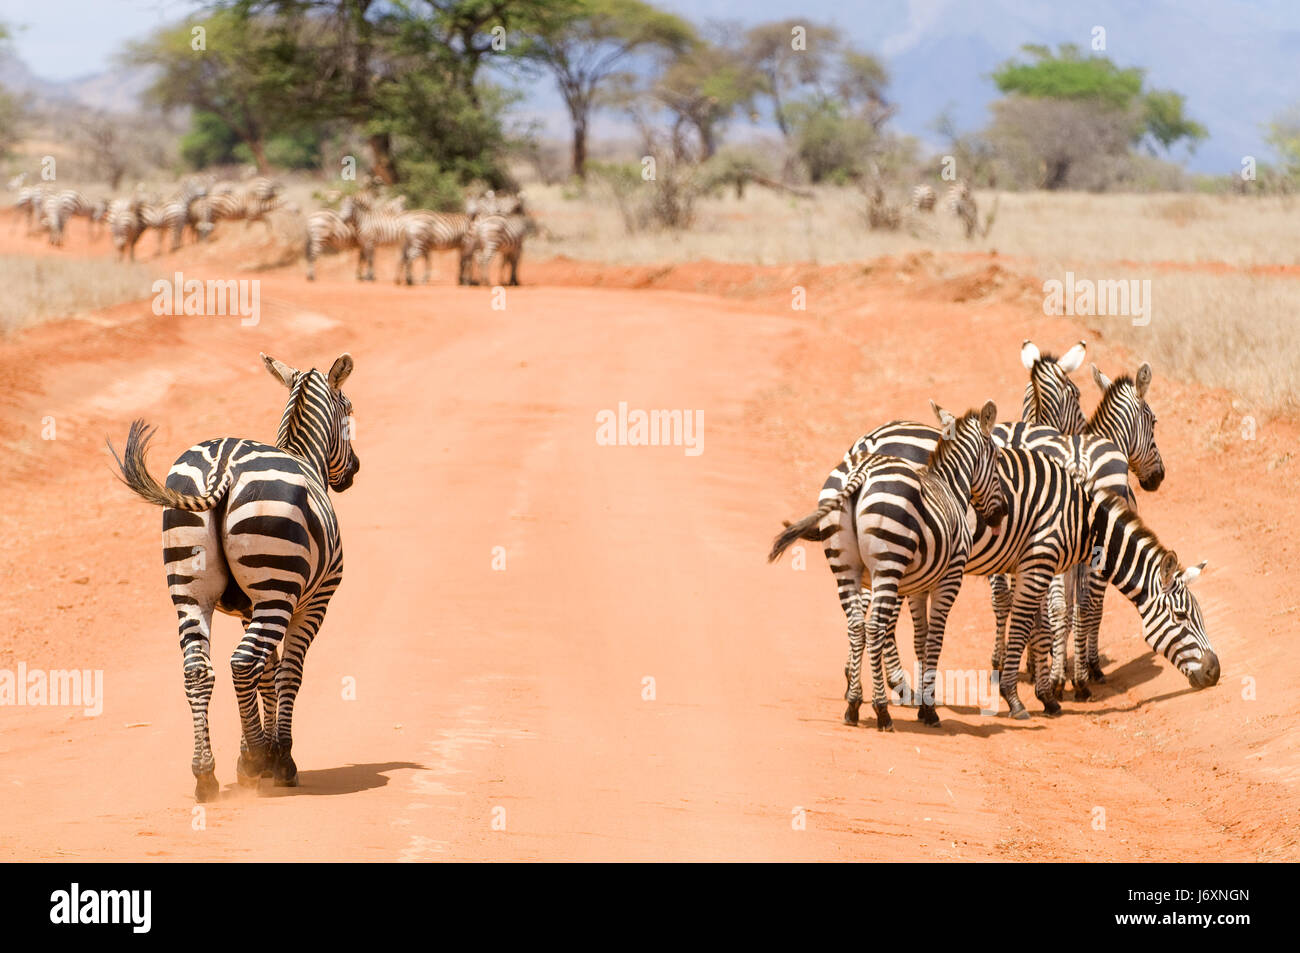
column 767, row 228
column 47, row 287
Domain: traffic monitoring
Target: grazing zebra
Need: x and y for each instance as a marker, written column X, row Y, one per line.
column 249, row 530
column 327, row 231
column 373, row 229
column 58, row 207
column 30, row 203
column 923, row 198
column 490, row 234
column 428, row 232
column 1053, row 522
column 913, row 538
column 125, row 224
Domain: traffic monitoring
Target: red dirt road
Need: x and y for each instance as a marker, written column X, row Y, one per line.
column 515, row 699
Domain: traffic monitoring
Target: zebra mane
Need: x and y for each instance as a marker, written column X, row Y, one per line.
column 1108, row 398
column 293, row 407
column 944, row 447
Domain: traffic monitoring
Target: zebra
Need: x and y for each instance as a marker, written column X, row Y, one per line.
column 58, row 207
column 913, row 537
column 30, row 203
column 328, row 231
column 428, row 232
column 923, row 198
column 125, row 224
column 1054, row 521
column 373, row 228
column 960, row 201
column 249, row 530
column 493, row 233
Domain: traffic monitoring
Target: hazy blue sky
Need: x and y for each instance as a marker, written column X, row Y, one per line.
column 1236, row 60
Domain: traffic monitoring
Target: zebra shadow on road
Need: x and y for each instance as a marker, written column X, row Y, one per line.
column 345, row 779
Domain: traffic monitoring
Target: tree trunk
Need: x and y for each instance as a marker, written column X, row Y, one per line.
column 259, row 155
column 381, row 158
column 580, row 147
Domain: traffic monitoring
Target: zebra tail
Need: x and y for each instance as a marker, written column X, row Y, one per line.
column 806, row 528
column 135, row 474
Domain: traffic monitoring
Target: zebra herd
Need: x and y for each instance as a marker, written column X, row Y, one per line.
column 197, row 207
column 1041, row 506
column 490, row 225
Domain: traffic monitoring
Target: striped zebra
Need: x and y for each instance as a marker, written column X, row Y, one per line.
column 1053, row 522
column 373, row 229
column 58, row 207
column 491, row 234
column 960, row 201
column 912, row 537
column 249, row 530
column 923, row 198
column 327, row 231
column 250, row 202
column 30, row 203
column 125, row 224
column 427, row 232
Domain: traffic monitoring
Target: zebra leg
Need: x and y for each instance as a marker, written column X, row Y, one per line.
column 940, row 605
column 270, row 704
column 200, row 677
column 514, row 266
column 247, row 663
column 1057, row 623
column 1096, row 592
column 1026, row 604
column 1001, row 589
column 311, row 262
column 288, row 677
column 880, row 627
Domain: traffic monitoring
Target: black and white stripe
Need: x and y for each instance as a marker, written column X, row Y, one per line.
column 427, row 232
column 923, row 198
column 490, row 235
column 327, row 231
column 906, row 527
column 249, row 530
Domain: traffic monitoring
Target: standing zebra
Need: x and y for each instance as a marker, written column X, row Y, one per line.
column 961, row 203
column 58, row 207
column 373, row 228
column 428, row 232
column 490, row 234
column 125, row 224
column 913, row 537
column 249, row 530
column 923, row 198
column 327, row 231
column 31, row 203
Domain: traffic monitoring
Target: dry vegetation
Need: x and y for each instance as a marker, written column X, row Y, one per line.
column 55, row 287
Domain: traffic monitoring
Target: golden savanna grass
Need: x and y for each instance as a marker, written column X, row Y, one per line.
column 37, row 289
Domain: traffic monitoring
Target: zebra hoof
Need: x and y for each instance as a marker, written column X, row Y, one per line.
column 1050, row 705
column 1021, row 715
column 927, row 714
column 206, row 787
column 1095, row 672
column 285, row 773
column 884, row 722
column 249, row 767
column 851, row 713
column 1082, row 693
column 1058, row 689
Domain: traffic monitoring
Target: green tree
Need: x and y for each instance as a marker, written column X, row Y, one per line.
column 586, row 50
column 704, row 86
column 1283, row 134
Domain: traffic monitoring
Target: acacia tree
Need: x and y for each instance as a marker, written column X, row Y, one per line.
column 595, row 44
column 704, row 86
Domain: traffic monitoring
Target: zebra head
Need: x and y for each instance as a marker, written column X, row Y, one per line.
column 1051, row 398
column 1125, row 417
column 317, row 420
column 1173, row 626
column 966, row 450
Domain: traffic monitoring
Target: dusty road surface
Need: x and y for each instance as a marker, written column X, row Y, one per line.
column 548, row 648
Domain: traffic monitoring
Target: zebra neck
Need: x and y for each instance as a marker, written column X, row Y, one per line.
column 301, row 432
column 1121, row 549
column 953, row 470
column 1110, row 427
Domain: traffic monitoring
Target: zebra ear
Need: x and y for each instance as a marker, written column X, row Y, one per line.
column 1192, row 573
column 1143, row 379
column 1168, row 569
column 1028, row 354
column 1101, row 380
column 1073, row 358
column 279, row 370
column 340, row 371
column 988, row 417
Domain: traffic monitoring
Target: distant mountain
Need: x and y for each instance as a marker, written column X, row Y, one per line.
column 115, row 90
